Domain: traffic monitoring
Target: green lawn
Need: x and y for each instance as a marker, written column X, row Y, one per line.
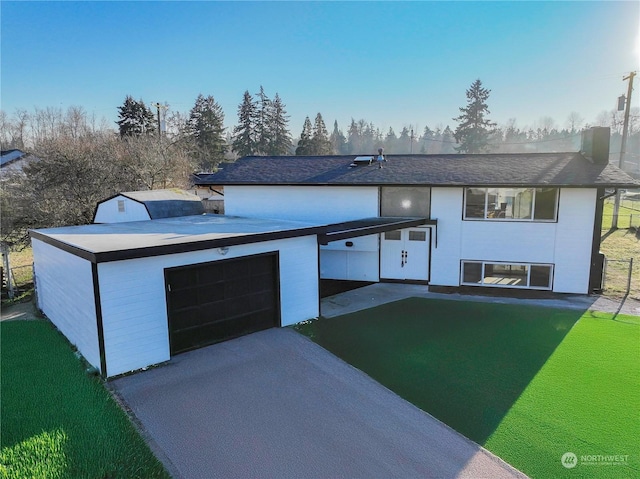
column 56, row 421
column 528, row 383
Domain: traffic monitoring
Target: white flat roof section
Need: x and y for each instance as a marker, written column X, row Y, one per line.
column 117, row 241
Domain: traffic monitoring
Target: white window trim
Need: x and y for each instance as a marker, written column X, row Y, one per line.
column 493, row 285
column 509, row 220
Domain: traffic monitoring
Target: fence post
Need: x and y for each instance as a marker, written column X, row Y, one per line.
column 604, row 274
column 629, row 275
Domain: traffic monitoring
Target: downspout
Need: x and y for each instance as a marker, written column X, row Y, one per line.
column 597, row 258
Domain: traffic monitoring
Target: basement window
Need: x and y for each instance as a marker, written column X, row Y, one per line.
column 506, row 275
column 511, row 204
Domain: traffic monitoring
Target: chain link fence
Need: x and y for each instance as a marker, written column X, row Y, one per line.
column 16, row 281
column 617, row 277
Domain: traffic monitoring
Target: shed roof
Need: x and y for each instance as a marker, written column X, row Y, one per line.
column 517, row 169
column 167, row 203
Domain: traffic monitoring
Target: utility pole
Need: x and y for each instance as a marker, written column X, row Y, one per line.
column 623, row 146
column 159, row 106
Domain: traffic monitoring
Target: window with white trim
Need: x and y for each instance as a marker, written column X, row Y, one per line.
column 121, row 206
column 506, row 275
column 515, row 204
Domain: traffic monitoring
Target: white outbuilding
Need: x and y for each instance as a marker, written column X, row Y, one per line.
column 147, row 205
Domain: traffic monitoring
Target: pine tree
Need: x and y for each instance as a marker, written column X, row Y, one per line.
column 206, row 126
column 262, row 123
column 474, row 128
column 404, row 141
column 337, row 140
column 244, row 135
column 390, row 141
column 320, row 144
column 135, row 118
column 304, row 144
column 427, row 140
column 279, row 135
column 447, row 141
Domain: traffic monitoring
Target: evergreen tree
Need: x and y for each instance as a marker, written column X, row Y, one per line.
column 338, row 140
column 426, row 139
column 447, row 138
column 320, row 144
column 390, row 142
column 474, row 128
column 262, row 123
column 244, row 135
column 404, row 141
column 206, row 126
column 304, row 144
column 135, row 118
column 354, row 138
column 279, row 135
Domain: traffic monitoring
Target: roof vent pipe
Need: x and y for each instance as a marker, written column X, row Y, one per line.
column 595, row 144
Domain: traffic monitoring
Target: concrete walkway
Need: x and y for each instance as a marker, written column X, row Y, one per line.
column 275, row 405
column 380, row 293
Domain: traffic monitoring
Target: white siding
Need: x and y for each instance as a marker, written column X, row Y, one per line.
column 328, row 204
column 566, row 244
column 134, row 302
column 65, row 295
column 318, row 204
column 446, row 207
column 107, row 211
column 574, row 235
column 510, row 241
column 359, row 262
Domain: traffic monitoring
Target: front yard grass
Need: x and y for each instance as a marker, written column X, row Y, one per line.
column 528, row 383
column 58, row 422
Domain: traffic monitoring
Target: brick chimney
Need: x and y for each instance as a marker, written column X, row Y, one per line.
column 595, row 144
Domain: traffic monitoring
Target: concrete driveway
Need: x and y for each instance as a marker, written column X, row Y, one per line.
column 274, row 404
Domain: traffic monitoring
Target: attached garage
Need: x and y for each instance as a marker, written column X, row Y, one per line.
column 219, row 300
column 130, row 295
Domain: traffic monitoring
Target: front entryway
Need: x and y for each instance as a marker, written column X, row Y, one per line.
column 404, row 254
column 212, row 302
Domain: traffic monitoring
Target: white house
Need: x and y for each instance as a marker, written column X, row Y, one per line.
column 527, row 221
column 132, row 294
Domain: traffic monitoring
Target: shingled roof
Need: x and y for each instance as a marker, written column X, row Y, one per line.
column 167, row 203
column 521, row 169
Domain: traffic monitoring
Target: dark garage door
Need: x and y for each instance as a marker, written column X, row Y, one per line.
column 211, row 302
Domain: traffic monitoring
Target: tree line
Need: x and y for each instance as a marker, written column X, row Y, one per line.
column 262, row 128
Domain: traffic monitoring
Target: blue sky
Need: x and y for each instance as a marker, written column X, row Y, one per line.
column 392, row 63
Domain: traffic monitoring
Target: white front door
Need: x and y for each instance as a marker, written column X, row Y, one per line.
column 404, row 254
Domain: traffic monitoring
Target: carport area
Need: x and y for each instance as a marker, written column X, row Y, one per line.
column 274, row 404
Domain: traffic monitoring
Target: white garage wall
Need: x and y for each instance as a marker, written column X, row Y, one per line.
column 329, row 204
column 107, row 211
column 134, row 307
column 574, row 235
column 65, row 295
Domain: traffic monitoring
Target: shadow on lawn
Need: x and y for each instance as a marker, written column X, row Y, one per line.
column 465, row 363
